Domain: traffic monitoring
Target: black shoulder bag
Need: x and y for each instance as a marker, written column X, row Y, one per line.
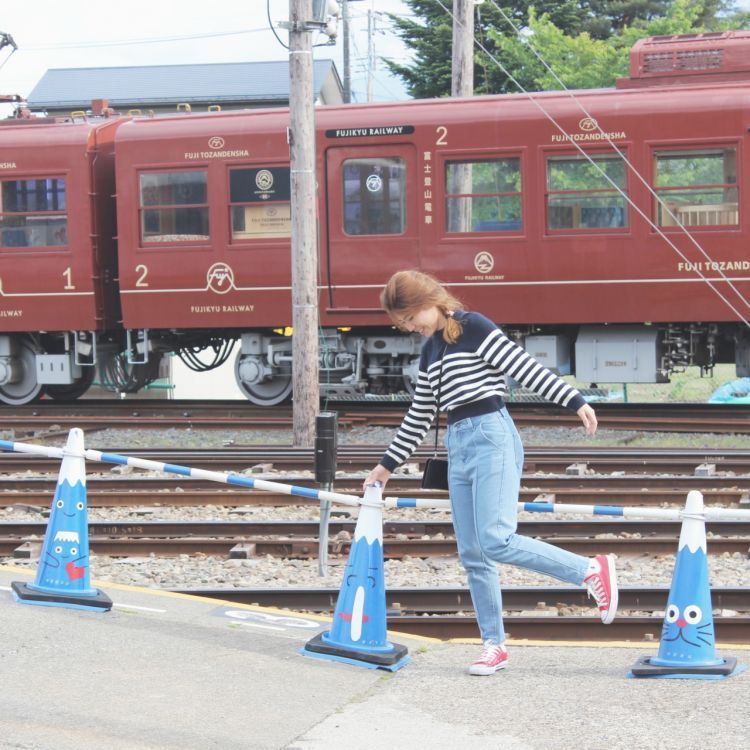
column 435, row 475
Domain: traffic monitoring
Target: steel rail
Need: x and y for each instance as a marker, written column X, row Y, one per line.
column 235, row 414
column 138, row 490
column 433, row 612
column 359, row 458
column 452, row 599
column 299, row 539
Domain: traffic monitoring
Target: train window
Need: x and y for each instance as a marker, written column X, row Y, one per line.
column 483, row 196
column 259, row 203
column 174, row 206
column 33, row 213
column 374, row 196
column 696, row 188
column 580, row 194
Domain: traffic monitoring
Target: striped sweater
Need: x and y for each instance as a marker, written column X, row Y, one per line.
column 474, row 368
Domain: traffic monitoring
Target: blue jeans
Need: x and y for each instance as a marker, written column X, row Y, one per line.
column 485, row 457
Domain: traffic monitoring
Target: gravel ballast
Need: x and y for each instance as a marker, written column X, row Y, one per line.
column 203, row 571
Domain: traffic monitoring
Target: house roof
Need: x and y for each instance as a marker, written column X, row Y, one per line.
column 171, row 84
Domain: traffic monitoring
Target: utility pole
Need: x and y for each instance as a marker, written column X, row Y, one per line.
column 305, row 349
column 370, row 52
column 347, row 63
column 462, row 84
column 462, row 68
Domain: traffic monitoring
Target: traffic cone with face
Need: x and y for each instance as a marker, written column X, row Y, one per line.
column 62, row 578
column 687, row 641
column 358, row 631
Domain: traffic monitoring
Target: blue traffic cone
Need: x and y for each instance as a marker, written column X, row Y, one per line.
column 62, row 578
column 687, row 639
column 358, row 631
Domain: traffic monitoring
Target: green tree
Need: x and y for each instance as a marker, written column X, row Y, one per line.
column 581, row 61
column 586, row 42
column 428, row 32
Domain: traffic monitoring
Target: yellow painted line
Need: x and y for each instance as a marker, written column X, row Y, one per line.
column 396, row 633
column 423, row 638
column 594, row 644
column 218, row 602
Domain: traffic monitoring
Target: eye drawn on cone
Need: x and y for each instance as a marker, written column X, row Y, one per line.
column 220, row 278
column 72, row 506
column 676, row 626
column 63, row 553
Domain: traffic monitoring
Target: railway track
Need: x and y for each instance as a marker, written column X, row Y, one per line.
column 598, row 476
column 50, row 417
column 139, row 490
column 299, row 539
column 350, row 458
column 537, row 613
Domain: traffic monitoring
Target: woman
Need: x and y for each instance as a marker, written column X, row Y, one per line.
column 469, row 357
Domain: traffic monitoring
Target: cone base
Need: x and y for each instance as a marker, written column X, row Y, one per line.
column 24, row 594
column 391, row 660
column 644, row 668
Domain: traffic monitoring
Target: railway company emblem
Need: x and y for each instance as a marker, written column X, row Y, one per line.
column 216, row 142
column 264, row 179
column 220, row 278
column 484, row 262
column 374, row 183
column 587, row 124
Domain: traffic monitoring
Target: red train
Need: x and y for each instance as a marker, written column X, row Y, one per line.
column 126, row 239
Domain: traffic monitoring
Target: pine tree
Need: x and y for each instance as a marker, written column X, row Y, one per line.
column 587, row 39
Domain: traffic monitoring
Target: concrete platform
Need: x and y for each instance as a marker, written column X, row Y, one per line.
column 163, row 671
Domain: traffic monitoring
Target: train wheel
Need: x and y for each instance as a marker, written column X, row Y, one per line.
column 74, row 390
column 26, row 389
column 268, row 392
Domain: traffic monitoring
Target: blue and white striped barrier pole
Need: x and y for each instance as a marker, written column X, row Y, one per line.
column 667, row 514
column 186, row 471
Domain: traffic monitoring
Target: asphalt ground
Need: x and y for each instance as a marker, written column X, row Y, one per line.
column 163, row 671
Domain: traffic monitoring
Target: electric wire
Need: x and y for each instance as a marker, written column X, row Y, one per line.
column 8, row 57
column 135, row 42
column 222, row 349
column 270, row 26
column 624, row 157
column 616, row 187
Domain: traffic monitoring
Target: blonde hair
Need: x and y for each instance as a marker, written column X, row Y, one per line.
column 408, row 292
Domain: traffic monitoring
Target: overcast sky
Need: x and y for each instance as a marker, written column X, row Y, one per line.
column 78, row 34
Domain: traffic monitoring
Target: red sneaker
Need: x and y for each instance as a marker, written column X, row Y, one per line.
column 493, row 657
column 601, row 581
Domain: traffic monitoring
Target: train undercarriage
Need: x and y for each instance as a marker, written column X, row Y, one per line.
column 353, row 364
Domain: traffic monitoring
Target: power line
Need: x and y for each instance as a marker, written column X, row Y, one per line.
column 130, row 42
column 537, row 103
column 690, row 236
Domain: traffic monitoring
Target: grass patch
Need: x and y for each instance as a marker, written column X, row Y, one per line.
column 688, row 386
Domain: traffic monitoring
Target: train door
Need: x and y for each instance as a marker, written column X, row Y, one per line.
column 372, row 222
